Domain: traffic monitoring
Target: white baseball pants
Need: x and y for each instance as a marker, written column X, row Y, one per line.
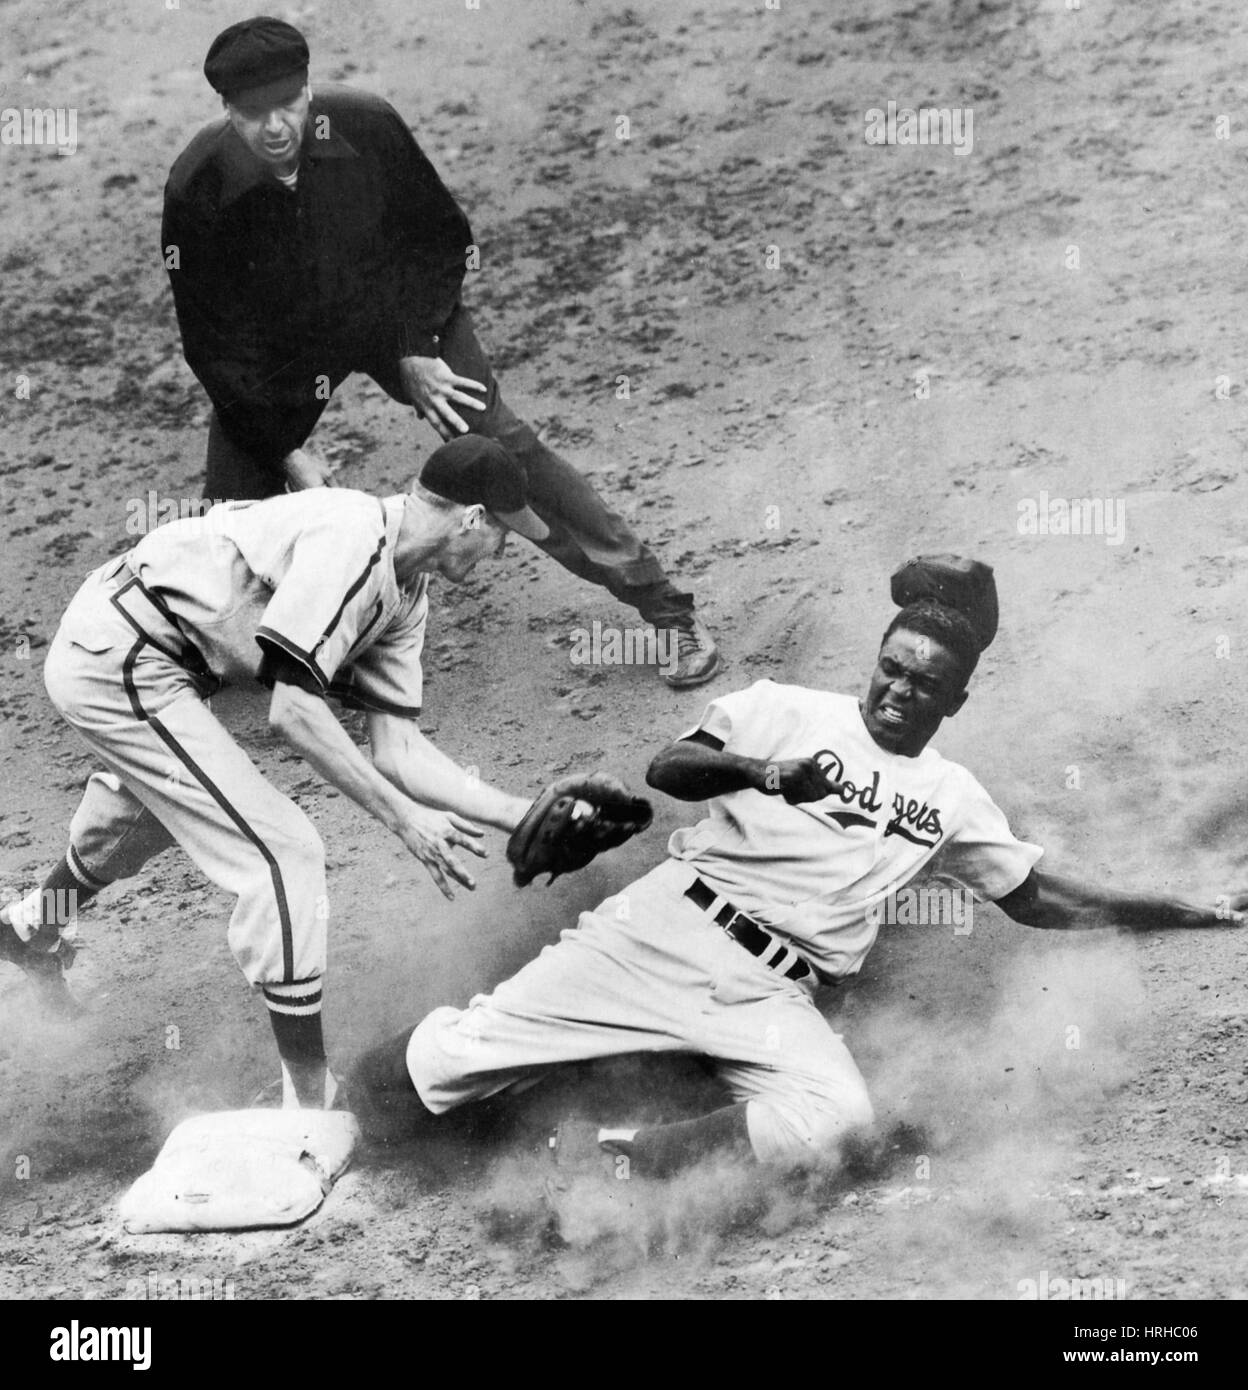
column 647, row 971
column 174, row 774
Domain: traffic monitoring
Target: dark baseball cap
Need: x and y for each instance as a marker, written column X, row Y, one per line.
column 472, row 469
column 254, row 53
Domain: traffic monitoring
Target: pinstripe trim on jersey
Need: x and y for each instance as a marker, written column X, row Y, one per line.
column 355, row 698
column 267, row 634
column 236, row 817
column 346, row 691
column 356, row 586
column 368, row 626
column 82, row 873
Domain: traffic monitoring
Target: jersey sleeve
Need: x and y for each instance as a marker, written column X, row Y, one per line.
column 277, row 665
column 387, row 678
column 983, row 854
column 329, row 600
column 750, row 722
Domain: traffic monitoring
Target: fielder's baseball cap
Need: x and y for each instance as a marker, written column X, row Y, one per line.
column 255, row 53
column 473, row 469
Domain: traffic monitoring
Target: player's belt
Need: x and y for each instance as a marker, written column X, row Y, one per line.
column 757, row 940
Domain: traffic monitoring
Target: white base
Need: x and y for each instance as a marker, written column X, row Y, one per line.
column 241, row 1169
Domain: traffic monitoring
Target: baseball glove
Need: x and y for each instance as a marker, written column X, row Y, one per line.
column 967, row 585
column 573, row 821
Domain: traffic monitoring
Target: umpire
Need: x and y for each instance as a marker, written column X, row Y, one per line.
column 308, row 237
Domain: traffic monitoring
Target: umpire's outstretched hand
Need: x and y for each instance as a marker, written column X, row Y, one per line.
column 432, row 386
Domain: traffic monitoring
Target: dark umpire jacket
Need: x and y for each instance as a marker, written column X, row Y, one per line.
column 362, row 262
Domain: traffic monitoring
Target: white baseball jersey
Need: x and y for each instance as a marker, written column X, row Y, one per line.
column 649, row 971
column 815, row 871
column 310, row 574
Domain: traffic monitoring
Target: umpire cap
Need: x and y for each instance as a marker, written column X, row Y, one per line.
column 253, row 53
column 474, row 469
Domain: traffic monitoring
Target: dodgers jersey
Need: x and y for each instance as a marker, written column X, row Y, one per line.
column 308, row 573
column 814, row 872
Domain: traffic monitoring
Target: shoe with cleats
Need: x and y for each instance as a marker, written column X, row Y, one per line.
column 574, row 1150
column 43, row 968
column 697, row 657
column 586, row 1192
column 280, row 1094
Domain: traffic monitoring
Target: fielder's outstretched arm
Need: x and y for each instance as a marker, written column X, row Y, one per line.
column 1063, row 904
column 308, row 725
column 406, row 758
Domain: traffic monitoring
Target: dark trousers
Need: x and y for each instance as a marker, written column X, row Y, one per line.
column 586, row 536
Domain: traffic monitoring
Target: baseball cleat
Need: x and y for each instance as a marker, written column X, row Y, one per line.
column 585, row 1189
column 269, row 1097
column 12, row 947
column 697, row 657
column 280, row 1094
column 43, row 968
column 574, row 1151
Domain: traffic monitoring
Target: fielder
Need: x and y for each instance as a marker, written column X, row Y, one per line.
column 821, row 806
column 319, row 593
column 308, row 237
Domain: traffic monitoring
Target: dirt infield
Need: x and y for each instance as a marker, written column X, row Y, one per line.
column 792, row 357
